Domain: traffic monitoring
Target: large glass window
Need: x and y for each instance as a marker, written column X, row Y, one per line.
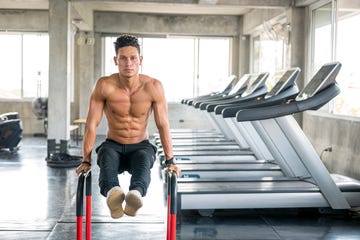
column 270, row 51
column 322, row 35
column 35, row 65
column 10, row 62
column 214, row 62
column 172, row 62
column 24, row 62
column 187, row 66
column 337, row 39
column 348, row 52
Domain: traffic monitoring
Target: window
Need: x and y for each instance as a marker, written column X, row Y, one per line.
column 270, row 50
column 187, row 66
column 335, row 38
column 347, row 52
column 171, row 60
column 214, row 62
column 10, row 57
column 322, row 35
column 24, row 62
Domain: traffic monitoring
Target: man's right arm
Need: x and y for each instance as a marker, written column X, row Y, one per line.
column 96, row 107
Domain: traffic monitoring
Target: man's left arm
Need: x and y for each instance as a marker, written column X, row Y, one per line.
column 162, row 123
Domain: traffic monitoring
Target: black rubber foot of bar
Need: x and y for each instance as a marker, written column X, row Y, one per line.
column 63, row 160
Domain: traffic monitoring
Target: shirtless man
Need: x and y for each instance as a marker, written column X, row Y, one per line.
column 127, row 98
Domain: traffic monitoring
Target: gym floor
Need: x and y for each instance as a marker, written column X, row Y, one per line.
column 38, row 202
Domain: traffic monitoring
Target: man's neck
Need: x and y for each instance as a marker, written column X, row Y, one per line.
column 130, row 83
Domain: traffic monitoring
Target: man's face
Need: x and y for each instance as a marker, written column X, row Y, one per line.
column 128, row 61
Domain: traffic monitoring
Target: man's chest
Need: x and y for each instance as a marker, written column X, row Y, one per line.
column 134, row 105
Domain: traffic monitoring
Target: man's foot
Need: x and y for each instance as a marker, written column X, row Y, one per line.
column 133, row 202
column 114, row 200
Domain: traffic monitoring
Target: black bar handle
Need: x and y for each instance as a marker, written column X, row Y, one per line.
column 80, row 195
column 88, row 184
column 173, row 190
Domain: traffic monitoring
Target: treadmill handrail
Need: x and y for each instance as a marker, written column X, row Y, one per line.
column 257, row 94
column 239, row 88
column 230, row 110
column 234, row 80
column 284, row 89
column 312, row 103
column 256, row 84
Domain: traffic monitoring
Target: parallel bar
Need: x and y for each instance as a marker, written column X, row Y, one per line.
column 83, row 178
column 168, row 180
column 79, row 206
column 88, row 206
column 172, row 208
column 173, row 204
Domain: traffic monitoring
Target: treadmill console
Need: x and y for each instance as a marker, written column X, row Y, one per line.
column 255, row 82
column 286, row 80
column 323, row 78
column 243, row 82
column 232, row 84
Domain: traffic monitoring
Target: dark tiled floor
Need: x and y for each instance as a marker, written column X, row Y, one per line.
column 38, row 202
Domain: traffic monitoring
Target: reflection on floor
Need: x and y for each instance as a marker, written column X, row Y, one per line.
column 38, row 202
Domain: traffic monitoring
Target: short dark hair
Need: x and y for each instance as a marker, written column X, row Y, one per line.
column 126, row 40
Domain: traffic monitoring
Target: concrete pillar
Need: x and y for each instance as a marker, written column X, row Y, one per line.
column 86, row 73
column 296, row 16
column 59, row 86
column 244, row 50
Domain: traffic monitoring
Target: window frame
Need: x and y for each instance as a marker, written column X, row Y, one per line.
column 22, row 98
column 257, row 36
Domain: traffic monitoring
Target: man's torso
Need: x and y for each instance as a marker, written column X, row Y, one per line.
column 127, row 112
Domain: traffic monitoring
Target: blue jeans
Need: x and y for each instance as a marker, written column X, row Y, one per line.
column 115, row 158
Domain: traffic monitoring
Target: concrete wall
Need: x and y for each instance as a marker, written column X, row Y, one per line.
column 342, row 135
column 30, row 123
column 154, row 24
column 254, row 20
column 24, row 20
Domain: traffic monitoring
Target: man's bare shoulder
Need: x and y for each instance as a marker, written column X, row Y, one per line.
column 153, row 87
column 105, row 85
column 150, row 82
column 106, row 79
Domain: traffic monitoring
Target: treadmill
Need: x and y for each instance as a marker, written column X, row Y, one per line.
column 180, row 136
column 284, row 88
column 248, row 167
column 228, row 88
column 237, row 90
column 190, row 137
column 306, row 182
column 257, row 89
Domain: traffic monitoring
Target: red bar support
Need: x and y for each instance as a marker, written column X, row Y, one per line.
column 88, row 206
column 88, row 218
column 168, row 219
column 79, row 231
column 172, row 208
column 168, row 182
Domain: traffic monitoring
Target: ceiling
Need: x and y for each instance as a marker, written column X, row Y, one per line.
column 82, row 9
